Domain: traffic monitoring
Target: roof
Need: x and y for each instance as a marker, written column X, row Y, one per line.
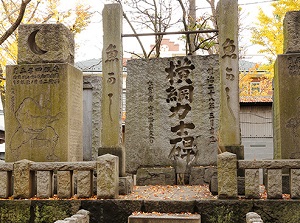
column 251, row 99
column 92, row 65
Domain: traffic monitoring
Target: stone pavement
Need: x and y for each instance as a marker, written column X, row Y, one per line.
column 167, row 192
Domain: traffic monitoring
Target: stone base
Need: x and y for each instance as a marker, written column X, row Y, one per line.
column 202, row 175
column 116, row 151
column 155, row 176
column 213, row 185
column 164, row 218
column 125, row 185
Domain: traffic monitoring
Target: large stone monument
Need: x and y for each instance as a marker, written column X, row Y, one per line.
column 286, row 105
column 44, row 97
column 112, row 57
column 172, row 113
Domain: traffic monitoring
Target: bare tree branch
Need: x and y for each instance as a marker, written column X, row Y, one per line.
column 15, row 25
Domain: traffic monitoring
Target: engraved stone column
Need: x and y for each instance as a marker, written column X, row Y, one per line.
column 23, row 179
column 229, row 127
column 44, row 97
column 44, row 184
column 295, row 183
column 286, row 94
column 274, row 184
column 252, row 183
column 65, row 187
column 111, row 131
column 227, row 175
column 107, row 176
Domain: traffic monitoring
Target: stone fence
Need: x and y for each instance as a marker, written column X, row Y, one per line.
column 82, row 216
column 27, row 179
column 228, row 166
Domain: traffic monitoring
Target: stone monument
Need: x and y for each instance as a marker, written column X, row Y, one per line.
column 111, row 131
column 44, row 97
column 286, row 96
column 172, row 114
column 229, row 135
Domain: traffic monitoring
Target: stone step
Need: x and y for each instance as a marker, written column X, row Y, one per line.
column 164, row 218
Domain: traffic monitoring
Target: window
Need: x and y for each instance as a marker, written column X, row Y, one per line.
column 254, row 88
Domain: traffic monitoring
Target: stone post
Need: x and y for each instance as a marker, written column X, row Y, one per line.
column 295, row 183
column 44, row 184
column 227, row 175
column 65, row 184
column 44, row 97
column 23, row 179
column 107, row 176
column 229, row 127
column 252, row 183
column 286, row 94
column 112, row 60
column 274, row 183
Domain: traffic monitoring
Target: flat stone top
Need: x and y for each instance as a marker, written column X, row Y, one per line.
column 168, row 192
column 158, row 215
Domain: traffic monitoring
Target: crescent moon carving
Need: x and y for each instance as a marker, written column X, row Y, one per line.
column 32, row 44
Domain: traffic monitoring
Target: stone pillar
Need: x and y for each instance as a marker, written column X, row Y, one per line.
column 252, row 183
column 274, row 183
column 227, row 175
column 5, row 184
column 44, row 97
column 295, row 183
column 84, row 184
column 65, row 184
column 44, row 184
column 107, row 176
column 23, row 179
column 112, row 60
column 229, row 127
column 286, row 94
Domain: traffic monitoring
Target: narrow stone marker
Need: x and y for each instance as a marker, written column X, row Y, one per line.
column 164, row 218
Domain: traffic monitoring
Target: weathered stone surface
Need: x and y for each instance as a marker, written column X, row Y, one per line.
column 84, row 184
column 65, row 185
column 252, row 183
column 44, row 113
column 274, row 183
column 5, row 184
column 286, row 106
column 291, row 33
column 71, row 220
column 176, row 206
column 202, row 175
column 227, row 175
column 45, row 43
column 295, row 183
column 44, row 184
column 269, row 164
column 23, row 179
column 107, row 176
column 253, row 217
column 86, row 215
column 92, row 119
column 164, row 218
column 125, row 185
column 155, row 176
column 116, row 151
column 80, row 218
column 229, row 127
column 111, row 128
column 155, row 116
column 63, row 166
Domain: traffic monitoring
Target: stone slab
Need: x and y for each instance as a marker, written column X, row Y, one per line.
column 164, row 218
column 92, row 94
column 252, row 183
column 202, row 175
column 44, row 184
column 227, row 175
column 84, row 184
column 45, row 43
column 44, row 113
column 168, row 112
column 5, row 185
column 291, row 32
column 107, row 176
column 295, row 183
column 65, row 184
column 286, row 106
column 23, row 179
column 125, row 185
column 155, row 176
column 116, row 151
column 274, row 183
